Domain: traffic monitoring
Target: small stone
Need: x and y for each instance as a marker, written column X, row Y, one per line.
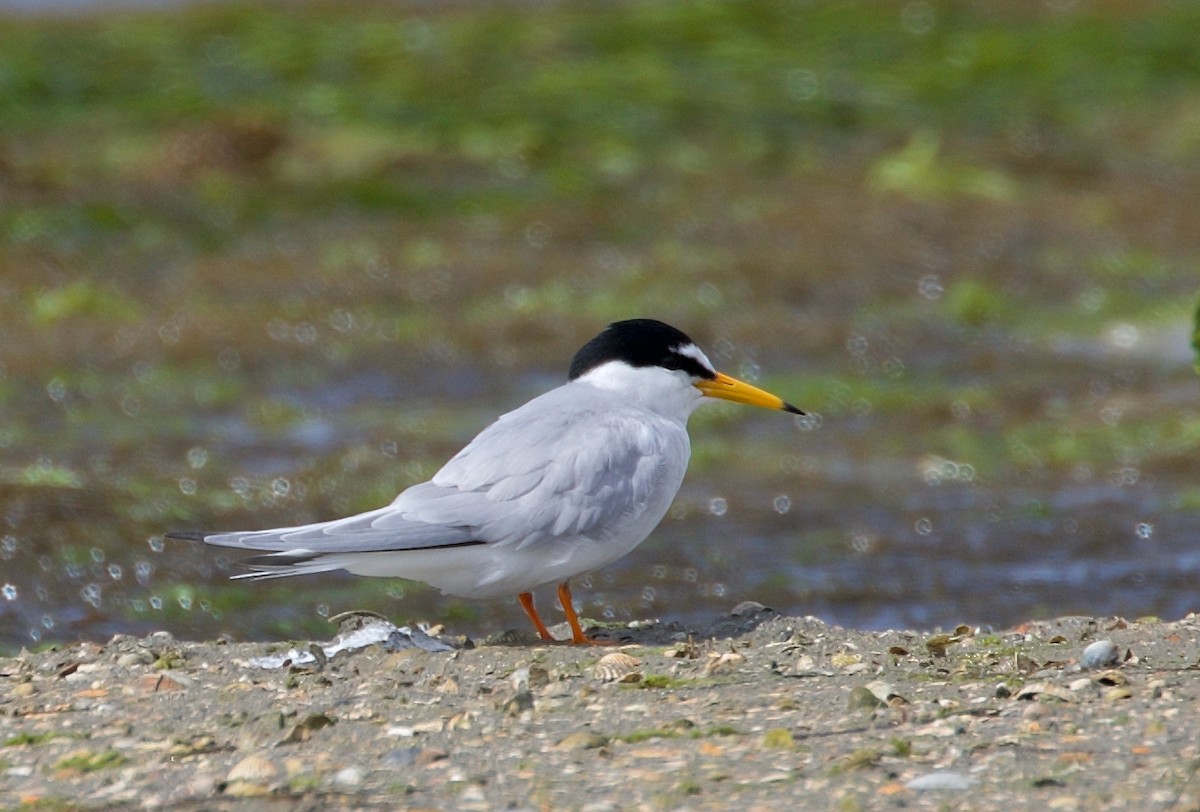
column 1002, row 691
column 885, row 693
column 400, row 757
column 941, row 780
column 429, row 756
column 349, row 777
column 134, row 658
column 162, row 683
column 1101, row 654
column 582, row 740
column 473, row 793
column 521, row 702
column 861, row 697
column 748, row 609
column 778, row 738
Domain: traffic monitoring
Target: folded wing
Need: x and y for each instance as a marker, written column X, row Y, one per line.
column 560, row 466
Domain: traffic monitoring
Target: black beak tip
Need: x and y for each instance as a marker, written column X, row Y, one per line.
column 787, row 407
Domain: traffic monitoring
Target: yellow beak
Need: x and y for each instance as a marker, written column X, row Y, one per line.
column 724, row 387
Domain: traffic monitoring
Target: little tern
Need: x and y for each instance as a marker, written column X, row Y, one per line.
column 569, row 482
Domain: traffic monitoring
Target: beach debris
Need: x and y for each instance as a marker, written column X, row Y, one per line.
column 1101, row 654
column 367, row 629
column 862, row 698
column 253, row 775
column 718, row 663
column 942, row 779
column 1045, row 692
column 304, row 729
column 617, row 666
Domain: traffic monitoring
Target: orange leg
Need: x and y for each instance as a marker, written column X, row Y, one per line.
column 526, row 599
column 577, row 635
column 568, row 607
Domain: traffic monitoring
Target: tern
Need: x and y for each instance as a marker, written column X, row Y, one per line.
column 569, row 482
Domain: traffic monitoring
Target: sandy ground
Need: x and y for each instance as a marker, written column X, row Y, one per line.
column 758, row 710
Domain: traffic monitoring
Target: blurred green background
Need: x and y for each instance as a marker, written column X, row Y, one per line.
column 269, row 263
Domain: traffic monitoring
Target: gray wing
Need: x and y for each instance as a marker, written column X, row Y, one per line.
column 559, row 465
column 358, row 533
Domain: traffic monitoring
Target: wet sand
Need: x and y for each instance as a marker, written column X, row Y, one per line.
column 757, row 710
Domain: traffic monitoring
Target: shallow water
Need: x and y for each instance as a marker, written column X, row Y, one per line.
column 306, row 287
column 825, row 521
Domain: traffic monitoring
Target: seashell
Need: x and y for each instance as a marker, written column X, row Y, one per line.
column 615, row 666
column 253, row 769
column 685, row 650
column 729, row 661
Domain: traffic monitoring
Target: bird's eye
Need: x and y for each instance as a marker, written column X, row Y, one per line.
column 686, row 364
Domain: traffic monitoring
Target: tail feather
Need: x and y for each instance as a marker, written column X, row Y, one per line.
column 284, row 564
column 272, row 565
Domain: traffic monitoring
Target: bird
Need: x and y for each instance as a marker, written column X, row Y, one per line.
column 569, row 482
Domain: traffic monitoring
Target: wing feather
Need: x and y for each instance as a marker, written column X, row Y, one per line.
column 561, row 465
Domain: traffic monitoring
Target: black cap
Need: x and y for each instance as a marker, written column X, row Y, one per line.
column 639, row 343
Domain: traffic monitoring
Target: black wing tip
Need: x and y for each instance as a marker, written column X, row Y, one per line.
column 271, row 562
column 186, row 535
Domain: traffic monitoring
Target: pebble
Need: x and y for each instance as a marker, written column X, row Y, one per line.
column 473, row 793
column 400, row 757
column 884, row 692
column 1101, row 654
column 349, row 777
column 581, row 740
column 863, row 697
column 941, row 780
column 134, row 658
column 748, row 609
